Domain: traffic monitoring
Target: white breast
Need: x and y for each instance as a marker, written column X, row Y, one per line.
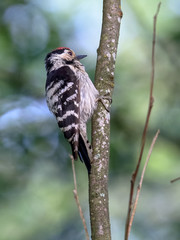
column 88, row 96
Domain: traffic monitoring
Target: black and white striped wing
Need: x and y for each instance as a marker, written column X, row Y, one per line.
column 62, row 92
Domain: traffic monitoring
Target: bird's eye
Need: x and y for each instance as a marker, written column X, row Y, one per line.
column 70, row 53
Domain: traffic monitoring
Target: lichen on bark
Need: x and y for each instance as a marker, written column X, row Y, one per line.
column 104, row 82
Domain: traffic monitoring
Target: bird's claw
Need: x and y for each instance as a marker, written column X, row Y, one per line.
column 105, row 97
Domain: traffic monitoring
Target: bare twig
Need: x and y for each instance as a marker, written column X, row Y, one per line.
column 143, row 140
column 174, row 180
column 141, row 180
column 77, row 199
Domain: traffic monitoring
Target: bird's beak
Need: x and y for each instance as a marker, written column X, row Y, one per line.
column 80, row 57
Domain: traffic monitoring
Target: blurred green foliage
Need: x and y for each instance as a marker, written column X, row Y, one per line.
column 36, row 200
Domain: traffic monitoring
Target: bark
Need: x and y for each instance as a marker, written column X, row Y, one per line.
column 104, row 82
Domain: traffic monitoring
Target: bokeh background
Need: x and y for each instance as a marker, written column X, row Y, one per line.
column 36, row 199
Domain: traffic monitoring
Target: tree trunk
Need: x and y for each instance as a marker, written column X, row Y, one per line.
column 104, row 82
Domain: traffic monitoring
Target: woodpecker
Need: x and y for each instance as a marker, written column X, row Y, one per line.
column 72, row 98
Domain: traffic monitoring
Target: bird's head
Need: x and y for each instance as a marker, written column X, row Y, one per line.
column 61, row 56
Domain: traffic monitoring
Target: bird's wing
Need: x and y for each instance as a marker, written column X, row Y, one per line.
column 66, row 105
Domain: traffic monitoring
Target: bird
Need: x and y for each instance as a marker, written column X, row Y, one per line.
column 72, row 98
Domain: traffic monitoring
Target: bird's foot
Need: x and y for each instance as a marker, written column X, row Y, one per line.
column 105, row 97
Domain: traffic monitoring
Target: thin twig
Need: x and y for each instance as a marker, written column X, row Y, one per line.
column 141, row 179
column 143, row 140
column 174, row 180
column 77, row 199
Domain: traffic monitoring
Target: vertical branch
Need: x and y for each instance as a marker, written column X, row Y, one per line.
column 77, row 199
column 104, row 81
column 151, row 100
column 141, row 180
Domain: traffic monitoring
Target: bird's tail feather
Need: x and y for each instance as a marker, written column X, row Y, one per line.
column 84, row 153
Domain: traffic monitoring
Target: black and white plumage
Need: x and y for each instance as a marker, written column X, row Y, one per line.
column 72, row 98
